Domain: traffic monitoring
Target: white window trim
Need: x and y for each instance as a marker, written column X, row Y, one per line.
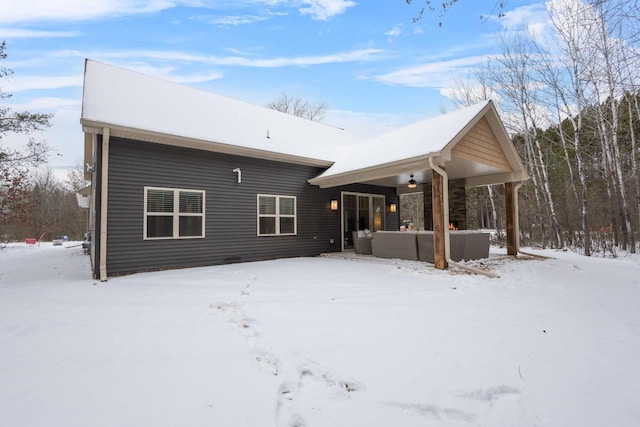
column 175, row 214
column 277, row 215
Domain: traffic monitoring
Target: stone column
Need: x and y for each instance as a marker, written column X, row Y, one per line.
column 458, row 204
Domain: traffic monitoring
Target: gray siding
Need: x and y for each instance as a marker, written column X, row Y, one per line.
column 230, row 220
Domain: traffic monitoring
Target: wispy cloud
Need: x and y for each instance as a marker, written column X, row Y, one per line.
column 395, row 31
column 169, row 65
column 301, row 61
column 15, row 33
column 234, row 20
column 83, row 10
column 533, row 18
column 436, row 74
column 17, row 84
column 325, row 9
column 78, row 10
column 47, row 104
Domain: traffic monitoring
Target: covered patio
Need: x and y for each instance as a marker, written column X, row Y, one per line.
column 441, row 157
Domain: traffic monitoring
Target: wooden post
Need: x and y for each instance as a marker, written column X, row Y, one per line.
column 510, row 202
column 437, row 195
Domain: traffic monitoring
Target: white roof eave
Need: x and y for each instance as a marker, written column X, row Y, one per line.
column 199, row 144
column 374, row 172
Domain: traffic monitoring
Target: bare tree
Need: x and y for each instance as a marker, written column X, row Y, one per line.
column 14, row 163
column 443, row 6
column 298, row 107
column 75, row 179
column 569, row 22
column 610, row 59
column 412, row 209
column 55, row 210
column 15, row 200
column 20, row 122
column 516, row 84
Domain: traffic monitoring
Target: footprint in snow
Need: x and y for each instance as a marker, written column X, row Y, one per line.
column 435, row 412
column 247, row 290
column 312, row 370
column 492, row 393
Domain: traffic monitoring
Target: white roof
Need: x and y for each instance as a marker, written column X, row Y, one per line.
column 136, row 106
column 127, row 99
column 419, row 139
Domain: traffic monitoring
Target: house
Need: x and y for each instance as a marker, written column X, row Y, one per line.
column 182, row 177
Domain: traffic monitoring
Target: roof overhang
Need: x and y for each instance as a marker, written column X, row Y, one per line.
column 398, row 174
column 374, row 173
column 96, row 128
column 475, row 171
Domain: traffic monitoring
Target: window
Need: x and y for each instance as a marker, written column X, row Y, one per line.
column 276, row 215
column 173, row 214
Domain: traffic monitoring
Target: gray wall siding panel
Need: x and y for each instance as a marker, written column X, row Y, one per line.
column 230, row 209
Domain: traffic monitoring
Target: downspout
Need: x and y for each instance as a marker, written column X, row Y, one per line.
column 104, row 187
column 447, row 244
column 517, row 224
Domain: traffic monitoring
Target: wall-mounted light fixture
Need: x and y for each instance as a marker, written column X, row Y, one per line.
column 412, row 182
column 334, row 205
column 393, row 207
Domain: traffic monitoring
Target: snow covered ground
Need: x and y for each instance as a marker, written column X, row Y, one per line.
column 319, row 342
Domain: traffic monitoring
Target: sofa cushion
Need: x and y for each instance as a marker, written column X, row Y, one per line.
column 394, row 244
column 361, row 245
column 425, row 246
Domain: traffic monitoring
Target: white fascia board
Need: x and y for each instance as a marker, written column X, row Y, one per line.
column 374, row 172
column 494, row 179
column 178, row 141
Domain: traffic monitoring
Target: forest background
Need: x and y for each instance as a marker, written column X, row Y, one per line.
column 570, row 102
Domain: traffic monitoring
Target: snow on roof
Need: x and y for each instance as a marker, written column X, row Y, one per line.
column 119, row 97
column 129, row 99
column 422, row 138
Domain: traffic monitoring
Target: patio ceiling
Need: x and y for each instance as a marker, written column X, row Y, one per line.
column 474, row 172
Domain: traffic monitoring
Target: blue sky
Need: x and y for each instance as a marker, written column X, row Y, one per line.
column 367, row 60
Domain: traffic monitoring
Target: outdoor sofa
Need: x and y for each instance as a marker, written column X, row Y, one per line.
column 395, row 244
column 362, row 242
column 412, row 245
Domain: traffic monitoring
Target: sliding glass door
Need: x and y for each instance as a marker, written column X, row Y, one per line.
column 360, row 212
